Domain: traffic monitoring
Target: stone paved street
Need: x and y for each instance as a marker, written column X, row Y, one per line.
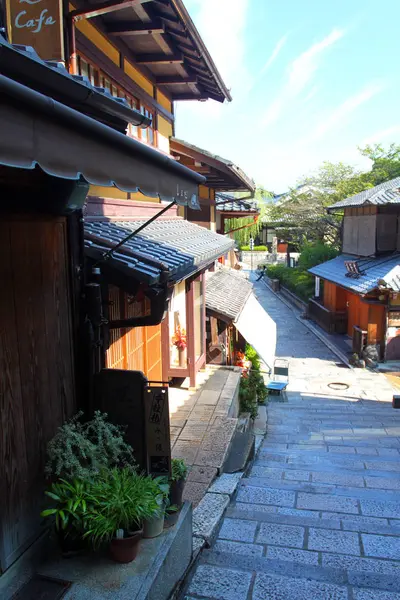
column 318, row 514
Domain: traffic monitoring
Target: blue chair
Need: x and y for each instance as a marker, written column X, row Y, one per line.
column 280, row 377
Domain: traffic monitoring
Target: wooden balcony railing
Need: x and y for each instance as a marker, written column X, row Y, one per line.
column 331, row 321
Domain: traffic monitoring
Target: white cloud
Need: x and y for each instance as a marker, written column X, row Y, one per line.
column 221, row 24
column 302, row 71
column 275, row 53
column 383, row 134
column 339, row 114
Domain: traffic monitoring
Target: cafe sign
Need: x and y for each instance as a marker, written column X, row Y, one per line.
column 37, row 23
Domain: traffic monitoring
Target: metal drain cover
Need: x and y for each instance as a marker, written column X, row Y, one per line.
column 338, row 386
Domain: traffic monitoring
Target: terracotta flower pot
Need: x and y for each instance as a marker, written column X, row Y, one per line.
column 176, row 492
column 125, row 550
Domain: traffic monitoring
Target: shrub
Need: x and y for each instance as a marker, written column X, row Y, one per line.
column 252, row 389
column 296, row 280
column 255, row 249
column 80, row 450
column 315, row 254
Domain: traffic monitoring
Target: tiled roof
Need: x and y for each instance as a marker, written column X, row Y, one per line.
column 384, row 193
column 227, row 292
column 33, row 71
column 227, row 203
column 167, row 249
column 372, row 269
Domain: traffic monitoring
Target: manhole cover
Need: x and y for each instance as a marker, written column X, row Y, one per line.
column 338, row 386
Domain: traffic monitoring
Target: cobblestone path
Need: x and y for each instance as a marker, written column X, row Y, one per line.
column 317, row 517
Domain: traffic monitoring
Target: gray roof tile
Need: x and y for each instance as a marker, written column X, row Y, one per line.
column 227, row 292
column 384, row 193
column 373, row 269
column 228, row 203
column 166, row 249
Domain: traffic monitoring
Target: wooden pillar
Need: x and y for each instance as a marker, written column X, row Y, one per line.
column 190, row 331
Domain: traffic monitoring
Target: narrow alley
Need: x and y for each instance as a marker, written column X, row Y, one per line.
column 318, row 514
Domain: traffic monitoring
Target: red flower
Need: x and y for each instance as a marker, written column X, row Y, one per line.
column 179, row 338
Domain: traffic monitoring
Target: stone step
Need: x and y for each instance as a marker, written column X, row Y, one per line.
column 317, row 463
column 323, row 488
column 295, row 570
column 390, row 481
column 313, row 518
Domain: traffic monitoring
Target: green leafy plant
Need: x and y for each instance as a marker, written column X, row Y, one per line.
column 80, row 450
column 120, row 500
column 179, row 470
column 248, row 397
column 71, row 504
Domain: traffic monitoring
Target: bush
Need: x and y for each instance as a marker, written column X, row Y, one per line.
column 80, row 450
column 315, row 254
column 255, row 249
column 296, row 280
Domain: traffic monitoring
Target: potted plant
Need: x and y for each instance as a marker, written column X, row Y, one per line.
column 154, row 526
column 121, row 501
column 79, row 450
column 177, row 481
column 179, row 340
column 109, row 508
column 71, row 501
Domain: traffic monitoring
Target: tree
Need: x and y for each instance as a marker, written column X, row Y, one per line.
column 247, row 227
column 302, row 216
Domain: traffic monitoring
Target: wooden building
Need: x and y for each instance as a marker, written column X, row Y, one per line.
column 360, row 292
column 234, row 317
column 89, row 142
column 221, row 175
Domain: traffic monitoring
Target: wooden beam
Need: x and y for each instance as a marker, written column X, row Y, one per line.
column 89, row 11
column 161, row 59
column 174, row 80
column 131, row 28
column 187, row 96
column 163, row 43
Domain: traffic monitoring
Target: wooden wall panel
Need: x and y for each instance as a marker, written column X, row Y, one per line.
column 137, row 348
column 386, row 233
column 36, row 354
column 366, row 235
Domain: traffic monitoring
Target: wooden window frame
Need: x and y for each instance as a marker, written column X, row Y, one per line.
column 99, row 78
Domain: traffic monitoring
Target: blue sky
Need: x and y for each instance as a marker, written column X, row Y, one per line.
column 310, row 81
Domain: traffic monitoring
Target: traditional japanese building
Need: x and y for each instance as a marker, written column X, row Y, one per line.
column 358, row 293
column 86, row 111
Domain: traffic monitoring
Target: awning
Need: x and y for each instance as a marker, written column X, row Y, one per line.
column 167, row 250
column 39, row 131
column 258, row 329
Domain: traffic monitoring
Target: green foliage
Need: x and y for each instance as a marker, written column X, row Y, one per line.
column 248, row 397
column 253, row 356
column 315, row 254
column 255, row 249
column 111, row 500
column 179, row 469
column 71, row 502
column 249, row 229
column 297, row 281
column 80, row 450
column 302, row 216
column 252, row 390
column 120, row 499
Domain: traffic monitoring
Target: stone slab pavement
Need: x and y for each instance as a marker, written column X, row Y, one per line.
column 317, row 516
column 201, row 426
